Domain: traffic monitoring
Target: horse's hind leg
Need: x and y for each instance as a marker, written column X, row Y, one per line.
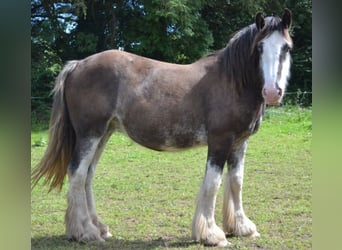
column 235, row 222
column 79, row 225
column 104, row 230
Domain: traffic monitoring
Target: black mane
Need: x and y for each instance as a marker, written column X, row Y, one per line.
column 240, row 57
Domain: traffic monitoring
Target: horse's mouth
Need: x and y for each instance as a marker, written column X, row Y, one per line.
column 273, row 102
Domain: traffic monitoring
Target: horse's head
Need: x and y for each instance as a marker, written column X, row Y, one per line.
column 273, row 44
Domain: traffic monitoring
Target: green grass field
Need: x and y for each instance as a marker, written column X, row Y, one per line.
column 148, row 198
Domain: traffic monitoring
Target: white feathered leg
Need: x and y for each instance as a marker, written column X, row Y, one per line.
column 235, row 222
column 89, row 190
column 204, row 228
column 79, row 225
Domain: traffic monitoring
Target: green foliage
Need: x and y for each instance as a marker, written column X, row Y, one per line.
column 45, row 65
column 302, row 52
column 176, row 32
column 86, row 43
column 225, row 18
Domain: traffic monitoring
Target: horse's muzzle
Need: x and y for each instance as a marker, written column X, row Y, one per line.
column 272, row 95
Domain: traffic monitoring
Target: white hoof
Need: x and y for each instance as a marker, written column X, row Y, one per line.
column 223, row 243
column 245, row 227
column 107, row 235
column 213, row 236
column 254, row 235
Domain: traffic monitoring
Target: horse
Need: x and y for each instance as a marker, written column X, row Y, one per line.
column 218, row 101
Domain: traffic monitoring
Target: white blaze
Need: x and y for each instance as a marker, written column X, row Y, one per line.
column 270, row 59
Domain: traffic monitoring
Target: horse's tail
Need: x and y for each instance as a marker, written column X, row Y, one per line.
column 53, row 166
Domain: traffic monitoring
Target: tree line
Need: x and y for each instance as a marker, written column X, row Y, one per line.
column 178, row 31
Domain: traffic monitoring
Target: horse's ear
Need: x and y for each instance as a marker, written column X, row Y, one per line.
column 287, row 18
column 259, row 21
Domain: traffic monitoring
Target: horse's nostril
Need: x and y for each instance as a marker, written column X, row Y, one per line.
column 264, row 92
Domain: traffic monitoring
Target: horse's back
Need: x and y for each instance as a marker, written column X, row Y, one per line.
column 151, row 101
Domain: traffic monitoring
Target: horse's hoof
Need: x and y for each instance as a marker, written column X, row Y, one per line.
column 100, row 240
column 106, row 235
column 223, row 243
column 220, row 243
column 255, row 234
column 91, row 238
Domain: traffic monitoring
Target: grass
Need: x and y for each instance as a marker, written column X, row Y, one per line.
column 148, row 198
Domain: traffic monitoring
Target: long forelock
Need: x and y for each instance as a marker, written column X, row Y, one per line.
column 272, row 24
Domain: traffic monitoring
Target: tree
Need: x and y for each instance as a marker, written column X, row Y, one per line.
column 167, row 30
column 170, row 30
column 224, row 18
column 301, row 79
column 178, row 31
column 45, row 62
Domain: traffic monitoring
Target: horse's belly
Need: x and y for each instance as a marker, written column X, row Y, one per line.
column 181, row 138
column 174, row 138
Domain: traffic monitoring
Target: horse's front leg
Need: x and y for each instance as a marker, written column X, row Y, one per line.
column 235, row 222
column 204, row 228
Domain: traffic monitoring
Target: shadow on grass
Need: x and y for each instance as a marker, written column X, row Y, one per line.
column 61, row 242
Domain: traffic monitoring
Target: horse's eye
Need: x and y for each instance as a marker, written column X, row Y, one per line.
column 286, row 48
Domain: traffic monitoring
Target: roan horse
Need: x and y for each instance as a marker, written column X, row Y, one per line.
column 217, row 101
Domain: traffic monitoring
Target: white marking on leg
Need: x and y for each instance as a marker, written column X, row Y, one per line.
column 228, row 208
column 89, row 191
column 204, row 228
column 234, row 219
column 78, row 222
